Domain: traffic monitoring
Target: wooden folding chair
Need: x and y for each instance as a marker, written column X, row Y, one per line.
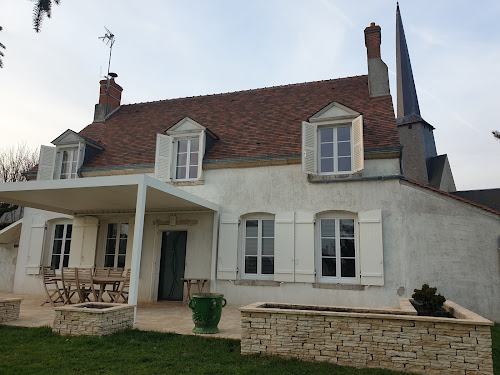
column 115, row 272
column 102, row 271
column 55, row 293
column 85, row 284
column 122, row 290
column 70, row 285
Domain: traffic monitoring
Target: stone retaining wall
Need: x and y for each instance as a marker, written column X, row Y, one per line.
column 77, row 321
column 385, row 339
column 9, row 309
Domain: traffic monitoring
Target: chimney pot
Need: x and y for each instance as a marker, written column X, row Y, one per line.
column 372, row 24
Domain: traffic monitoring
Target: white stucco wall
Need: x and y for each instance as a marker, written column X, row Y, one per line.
column 8, row 260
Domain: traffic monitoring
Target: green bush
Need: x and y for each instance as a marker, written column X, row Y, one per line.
column 427, row 299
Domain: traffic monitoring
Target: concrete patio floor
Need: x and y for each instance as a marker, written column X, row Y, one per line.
column 152, row 316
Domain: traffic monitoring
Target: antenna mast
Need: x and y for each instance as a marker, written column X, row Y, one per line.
column 109, row 39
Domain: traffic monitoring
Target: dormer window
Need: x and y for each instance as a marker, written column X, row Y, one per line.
column 332, row 142
column 179, row 154
column 69, row 164
column 187, row 159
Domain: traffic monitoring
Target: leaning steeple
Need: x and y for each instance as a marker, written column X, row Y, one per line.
column 406, row 93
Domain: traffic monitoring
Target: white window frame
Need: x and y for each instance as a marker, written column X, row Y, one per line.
column 64, row 243
column 335, row 148
column 116, row 254
column 319, row 267
column 74, row 152
column 258, row 275
column 188, row 158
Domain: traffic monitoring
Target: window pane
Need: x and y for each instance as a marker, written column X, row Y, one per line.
column 195, row 145
column 344, row 148
column 55, row 261
column 328, row 267
column 182, row 146
column 122, row 249
column 250, row 264
column 344, row 164
column 193, row 171
column 267, row 228
column 348, row 268
column 252, row 228
column 327, row 165
column 67, row 246
column 328, row 247
column 65, row 261
column 344, row 134
column 69, row 230
column 267, row 265
column 347, row 248
column 181, row 160
column 193, row 158
column 112, row 230
column 121, row 261
column 110, row 246
column 59, row 231
column 327, row 150
column 268, row 246
column 57, row 248
column 328, row 228
column 109, row 261
column 326, row 135
column 181, row 173
column 124, row 230
column 251, row 246
column 346, row 228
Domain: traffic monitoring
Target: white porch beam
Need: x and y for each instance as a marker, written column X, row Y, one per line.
column 215, row 239
column 140, row 210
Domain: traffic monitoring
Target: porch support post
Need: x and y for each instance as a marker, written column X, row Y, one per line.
column 215, row 241
column 140, row 210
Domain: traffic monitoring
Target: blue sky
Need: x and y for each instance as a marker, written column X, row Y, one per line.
column 168, row 49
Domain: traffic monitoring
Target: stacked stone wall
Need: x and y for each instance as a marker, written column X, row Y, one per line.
column 9, row 309
column 93, row 322
column 404, row 343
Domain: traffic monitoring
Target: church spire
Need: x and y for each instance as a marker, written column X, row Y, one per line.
column 406, row 93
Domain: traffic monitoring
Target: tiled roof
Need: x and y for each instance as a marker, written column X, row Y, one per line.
column 254, row 123
column 489, row 209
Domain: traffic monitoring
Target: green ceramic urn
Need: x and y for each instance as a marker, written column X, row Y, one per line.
column 207, row 310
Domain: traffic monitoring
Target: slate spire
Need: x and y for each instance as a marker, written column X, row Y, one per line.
column 406, row 93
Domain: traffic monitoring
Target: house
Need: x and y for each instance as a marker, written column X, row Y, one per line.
column 308, row 193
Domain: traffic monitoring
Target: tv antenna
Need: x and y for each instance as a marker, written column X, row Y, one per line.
column 109, row 39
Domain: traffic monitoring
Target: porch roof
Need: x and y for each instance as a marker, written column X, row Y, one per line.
column 10, row 233
column 110, row 194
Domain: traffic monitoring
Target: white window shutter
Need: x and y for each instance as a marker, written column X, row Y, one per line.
column 163, row 159
column 309, row 148
column 371, row 248
column 35, row 246
column 284, row 247
column 304, row 247
column 83, row 241
column 357, row 144
column 201, row 154
column 46, row 163
column 228, row 247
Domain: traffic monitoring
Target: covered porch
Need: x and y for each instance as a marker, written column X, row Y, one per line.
column 151, row 206
column 156, row 316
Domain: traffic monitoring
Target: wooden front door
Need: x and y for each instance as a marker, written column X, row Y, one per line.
column 172, row 262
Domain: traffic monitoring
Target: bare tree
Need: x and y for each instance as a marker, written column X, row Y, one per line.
column 1, row 53
column 14, row 161
column 496, row 134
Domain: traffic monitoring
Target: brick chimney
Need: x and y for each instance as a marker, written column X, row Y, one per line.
column 109, row 99
column 378, row 77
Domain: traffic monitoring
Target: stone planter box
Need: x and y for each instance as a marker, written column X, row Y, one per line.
column 93, row 318
column 393, row 338
column 9, row 309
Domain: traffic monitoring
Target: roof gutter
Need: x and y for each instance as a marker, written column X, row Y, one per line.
column 350, row 179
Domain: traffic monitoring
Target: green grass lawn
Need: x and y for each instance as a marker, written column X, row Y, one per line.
column 39, row 351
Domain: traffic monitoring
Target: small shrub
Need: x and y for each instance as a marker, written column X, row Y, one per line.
column 428, row 301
